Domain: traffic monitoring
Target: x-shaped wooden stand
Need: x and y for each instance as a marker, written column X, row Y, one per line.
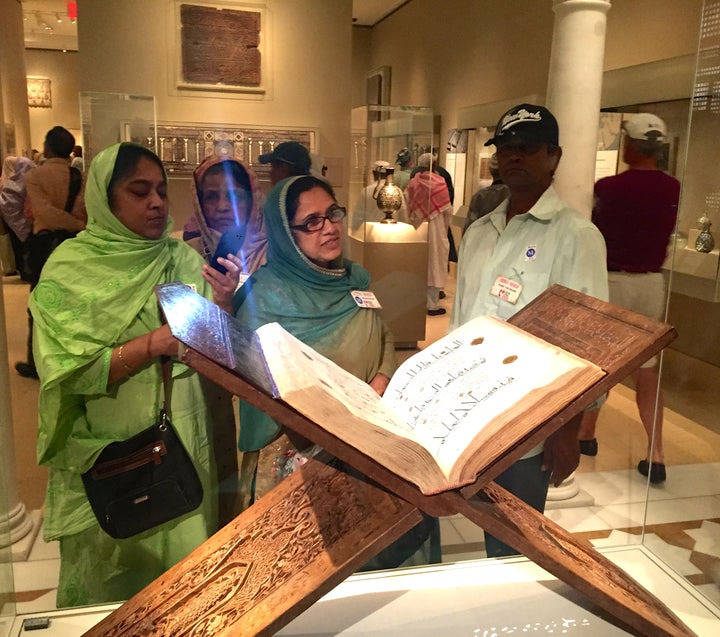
column 320, row 524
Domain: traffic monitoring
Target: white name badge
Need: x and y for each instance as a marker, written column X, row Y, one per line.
column 506, row 289
column 365, row 298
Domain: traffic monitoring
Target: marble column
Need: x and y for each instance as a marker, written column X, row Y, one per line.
column 18, row 523
column 13, row 110
column 574, row 91
column 573, row 95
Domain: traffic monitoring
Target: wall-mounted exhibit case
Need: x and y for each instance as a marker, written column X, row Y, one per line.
column 108, row 118
column 182, row 147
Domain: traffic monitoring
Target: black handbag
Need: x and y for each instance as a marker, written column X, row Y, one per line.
column 142, row 482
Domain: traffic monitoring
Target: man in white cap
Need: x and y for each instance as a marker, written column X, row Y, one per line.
column 511, row 255
column 636, row 212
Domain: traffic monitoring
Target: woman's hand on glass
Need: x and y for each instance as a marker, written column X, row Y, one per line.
column 224, row 285
column 379, row 383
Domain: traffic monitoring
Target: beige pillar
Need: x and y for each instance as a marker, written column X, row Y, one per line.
column 573, row 95
column 18, row 523
column 574, row 91
column 13, row 80
column 13, row 111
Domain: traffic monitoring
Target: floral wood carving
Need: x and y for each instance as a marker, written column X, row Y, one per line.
column 322, row 518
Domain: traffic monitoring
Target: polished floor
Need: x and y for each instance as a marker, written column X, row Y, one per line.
column 681, row 521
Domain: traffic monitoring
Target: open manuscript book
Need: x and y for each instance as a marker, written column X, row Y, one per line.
column 449, row 411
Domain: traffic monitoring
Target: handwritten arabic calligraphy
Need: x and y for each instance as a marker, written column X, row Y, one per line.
column 462, row 381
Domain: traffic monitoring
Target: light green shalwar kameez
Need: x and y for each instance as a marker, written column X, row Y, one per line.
column 95, row 293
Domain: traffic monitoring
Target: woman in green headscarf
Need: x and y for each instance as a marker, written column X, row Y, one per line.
column 307, row 287
column 98, row 342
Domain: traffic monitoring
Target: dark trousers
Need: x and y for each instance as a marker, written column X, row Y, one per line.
column 40, row 247
column 530, row 483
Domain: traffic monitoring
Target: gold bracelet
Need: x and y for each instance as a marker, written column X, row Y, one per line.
column 122, row 360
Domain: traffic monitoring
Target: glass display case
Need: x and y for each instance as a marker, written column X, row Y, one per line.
column 108, row 118
column 387, row 143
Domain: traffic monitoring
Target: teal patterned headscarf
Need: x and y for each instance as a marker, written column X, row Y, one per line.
column 309, row 301
column 93, row 286
column 313, row 303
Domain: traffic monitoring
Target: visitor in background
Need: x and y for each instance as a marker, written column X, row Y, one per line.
column 287, row 159
column 487, row 199
column 54, row 198
column 428, row 200
column 404, row 159
column 636, row 212
column 12, row 209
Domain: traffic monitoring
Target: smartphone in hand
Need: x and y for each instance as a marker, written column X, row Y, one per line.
column 230, row 243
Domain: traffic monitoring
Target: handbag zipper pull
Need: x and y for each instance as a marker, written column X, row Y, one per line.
column 157, row 454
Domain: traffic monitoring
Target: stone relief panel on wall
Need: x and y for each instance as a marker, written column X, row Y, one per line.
column 39, row 92
column 220, row 48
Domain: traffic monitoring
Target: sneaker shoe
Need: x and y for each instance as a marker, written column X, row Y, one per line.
column 656, row 470
column 437, row 312
column 588, row 447
column 26, row 370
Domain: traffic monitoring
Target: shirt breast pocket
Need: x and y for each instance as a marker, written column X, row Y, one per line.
column 534, row 282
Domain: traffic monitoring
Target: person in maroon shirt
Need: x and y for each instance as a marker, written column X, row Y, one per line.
column 636, row 212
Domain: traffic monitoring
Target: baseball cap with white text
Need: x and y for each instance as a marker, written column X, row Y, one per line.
column 529, row 122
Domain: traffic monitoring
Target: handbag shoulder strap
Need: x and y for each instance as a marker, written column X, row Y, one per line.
column 75, row 184
column 166, row 385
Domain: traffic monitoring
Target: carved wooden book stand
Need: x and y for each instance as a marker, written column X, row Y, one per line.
column 320, row 524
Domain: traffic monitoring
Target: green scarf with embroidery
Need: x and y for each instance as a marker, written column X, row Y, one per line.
column 94, row 285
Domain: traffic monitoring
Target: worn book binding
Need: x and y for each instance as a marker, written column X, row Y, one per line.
column 448, row 412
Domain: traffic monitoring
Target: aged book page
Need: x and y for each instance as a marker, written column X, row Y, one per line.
column 449, row 410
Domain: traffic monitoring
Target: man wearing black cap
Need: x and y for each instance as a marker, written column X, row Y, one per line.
column 287, row 160
column 531, row 241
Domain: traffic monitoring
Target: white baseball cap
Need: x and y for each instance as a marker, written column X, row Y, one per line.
column 379, row 166
column 646, row 127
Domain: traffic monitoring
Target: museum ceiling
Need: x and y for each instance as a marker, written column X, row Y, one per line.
column 52, row 24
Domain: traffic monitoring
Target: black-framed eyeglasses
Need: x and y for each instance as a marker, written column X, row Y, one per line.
column 315, row 223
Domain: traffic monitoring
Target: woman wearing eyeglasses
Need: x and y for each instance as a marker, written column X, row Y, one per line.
column 307, row 287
